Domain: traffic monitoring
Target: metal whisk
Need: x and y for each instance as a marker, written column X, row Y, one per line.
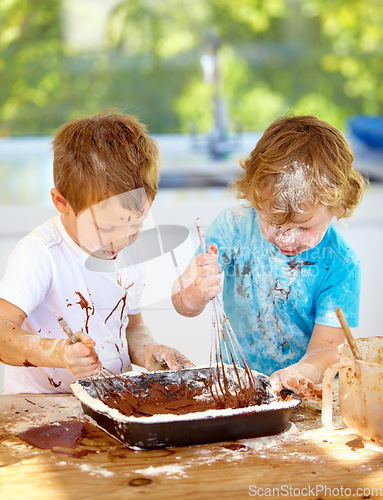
column 102, row 383
column 233, row 382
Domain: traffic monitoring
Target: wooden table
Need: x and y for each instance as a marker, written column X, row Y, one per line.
column 307, row 461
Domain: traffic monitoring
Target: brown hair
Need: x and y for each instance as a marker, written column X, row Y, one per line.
column 101, row 156
column 301, row 162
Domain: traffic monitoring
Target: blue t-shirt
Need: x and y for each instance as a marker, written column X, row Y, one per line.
column 273, row 300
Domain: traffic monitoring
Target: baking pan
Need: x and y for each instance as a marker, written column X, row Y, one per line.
column 166, row 430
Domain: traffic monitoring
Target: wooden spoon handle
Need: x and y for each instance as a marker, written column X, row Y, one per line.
column 348, row 334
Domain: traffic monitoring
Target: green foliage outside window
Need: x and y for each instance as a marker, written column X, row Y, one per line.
column 277, row 56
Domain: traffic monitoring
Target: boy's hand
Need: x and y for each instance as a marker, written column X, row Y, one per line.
column 200, row 283
column 303, row 377
column 299, row 378
column 162, row 357
column 205, row 274
column 81, row 358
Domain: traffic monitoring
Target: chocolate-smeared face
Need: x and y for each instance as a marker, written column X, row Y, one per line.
column 106, row 228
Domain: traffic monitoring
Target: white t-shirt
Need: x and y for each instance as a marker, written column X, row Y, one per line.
column 47, row 276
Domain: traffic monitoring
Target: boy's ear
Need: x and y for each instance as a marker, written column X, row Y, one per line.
column 59, row 201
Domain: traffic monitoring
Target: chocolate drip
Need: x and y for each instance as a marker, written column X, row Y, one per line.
column 121, row 301
column 89, row 309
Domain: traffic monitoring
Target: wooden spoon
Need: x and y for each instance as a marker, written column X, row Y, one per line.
column 348, row 334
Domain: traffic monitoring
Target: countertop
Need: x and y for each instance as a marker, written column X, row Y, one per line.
column 305, row 461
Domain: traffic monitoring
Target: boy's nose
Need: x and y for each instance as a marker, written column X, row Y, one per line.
column 285, row 235
column 280, row 232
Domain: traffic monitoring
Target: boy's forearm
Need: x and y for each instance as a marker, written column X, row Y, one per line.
column 319, row 360
column 185, row 299
column 322, row 351
column 21, row 348
column 138, row 337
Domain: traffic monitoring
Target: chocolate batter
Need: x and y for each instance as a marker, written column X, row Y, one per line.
column 177, row 399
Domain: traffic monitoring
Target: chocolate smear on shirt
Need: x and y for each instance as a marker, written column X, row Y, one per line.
column 121, row 301
column 53, row 383
column 299, row 264
column 89, row 309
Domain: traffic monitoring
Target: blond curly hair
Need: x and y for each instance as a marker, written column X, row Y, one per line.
column 299, row 163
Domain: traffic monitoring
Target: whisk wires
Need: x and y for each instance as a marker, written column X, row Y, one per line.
column 227, row 382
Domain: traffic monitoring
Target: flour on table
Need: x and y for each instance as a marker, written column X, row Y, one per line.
column 267, row 441
column 96, row 471
column 168, row 470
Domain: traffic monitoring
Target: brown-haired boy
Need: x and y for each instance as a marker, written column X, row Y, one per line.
column 286, row 268
column 106, row 172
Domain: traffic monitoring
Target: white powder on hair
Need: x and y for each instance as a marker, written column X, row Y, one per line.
column 295, row 187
